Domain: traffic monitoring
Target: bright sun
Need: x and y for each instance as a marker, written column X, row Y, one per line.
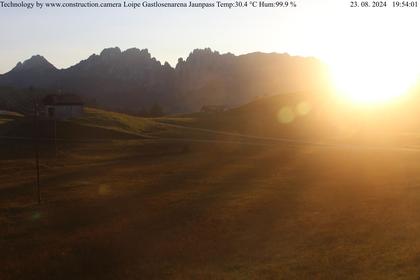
column 372, row 67
column 372, row 81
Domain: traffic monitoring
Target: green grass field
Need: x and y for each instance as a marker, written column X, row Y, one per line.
column 155, row 201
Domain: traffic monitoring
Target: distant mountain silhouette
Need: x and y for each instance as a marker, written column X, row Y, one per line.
column 133, row 80
column 36, row 71
column 36, row 62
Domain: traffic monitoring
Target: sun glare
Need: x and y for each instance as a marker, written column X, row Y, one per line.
column 372, row 67
column 370, row 81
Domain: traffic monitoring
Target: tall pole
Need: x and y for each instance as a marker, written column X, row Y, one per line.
column 36, row 140
column 55, row 137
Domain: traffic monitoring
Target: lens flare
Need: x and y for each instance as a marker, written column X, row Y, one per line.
column 286, row 115
column 303, row 108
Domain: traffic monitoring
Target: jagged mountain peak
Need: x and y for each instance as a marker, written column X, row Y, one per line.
column 137, row 52
column 208, row 52
column 199, row 53
column 36, row 62
column 206, row 55
column 127, row 56
column 109, row 52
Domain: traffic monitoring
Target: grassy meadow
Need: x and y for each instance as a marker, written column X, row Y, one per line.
column 135, row 198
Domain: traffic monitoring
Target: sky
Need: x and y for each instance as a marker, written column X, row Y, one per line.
column 327, row 29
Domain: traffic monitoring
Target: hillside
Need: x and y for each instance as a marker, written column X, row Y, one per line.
column 317, row 116
column 298, row 115
column 301, row 116
column 95, row 124
column 99, row 125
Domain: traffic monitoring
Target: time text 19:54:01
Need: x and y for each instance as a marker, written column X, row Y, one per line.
column 383, row 4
